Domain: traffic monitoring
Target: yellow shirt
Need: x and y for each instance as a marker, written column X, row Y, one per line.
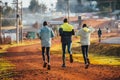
column 67, row 27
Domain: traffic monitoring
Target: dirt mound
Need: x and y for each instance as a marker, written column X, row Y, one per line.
column 105, row 49
column 102, row 49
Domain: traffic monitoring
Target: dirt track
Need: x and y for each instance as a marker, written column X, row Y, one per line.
column 28, row 62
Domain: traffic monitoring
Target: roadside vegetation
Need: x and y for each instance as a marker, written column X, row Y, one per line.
column 103, row 54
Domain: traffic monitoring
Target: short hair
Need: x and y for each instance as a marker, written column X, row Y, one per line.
column 84, row 25
column 44, row 23
column 65, row 20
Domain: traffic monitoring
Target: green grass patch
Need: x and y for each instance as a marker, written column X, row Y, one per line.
column 5, row 69
column 5, row 65
column 96, row 59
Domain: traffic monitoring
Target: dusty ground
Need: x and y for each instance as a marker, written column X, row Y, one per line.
column 28, row 66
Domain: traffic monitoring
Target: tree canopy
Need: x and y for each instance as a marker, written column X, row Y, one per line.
column 36, row 7
column 110, row 4
column 78, row 5
column 7, row 12
column 74, row 6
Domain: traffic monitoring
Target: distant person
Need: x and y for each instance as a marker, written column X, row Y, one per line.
column 84, row 34
column 99, row 34
column 66, row 31
column 45, row 34
column 108, row 30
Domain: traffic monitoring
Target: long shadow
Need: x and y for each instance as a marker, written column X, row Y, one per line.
column 27, row 53
column 14, row 54
column 27, row 56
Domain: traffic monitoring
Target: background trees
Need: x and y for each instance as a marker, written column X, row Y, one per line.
column 75, row 6
column 61, row 5
column 7, row 14
column 7, row 11
column 111, row 4
column 78, row 6
column 36, row 7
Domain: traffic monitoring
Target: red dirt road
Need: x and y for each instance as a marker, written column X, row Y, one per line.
column 28, row 66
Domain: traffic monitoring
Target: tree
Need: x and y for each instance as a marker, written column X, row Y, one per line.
column 79, row 1
column 61, row 5
column 43, row 8
column 6, row 22
column 106, row 4
column 8, row 11
column 75, row 6
column 36, row 7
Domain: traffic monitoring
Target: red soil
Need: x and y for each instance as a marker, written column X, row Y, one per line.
column 28, row 66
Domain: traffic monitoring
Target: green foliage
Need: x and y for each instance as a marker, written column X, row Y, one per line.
column 5, row 69
column 79, row 1
column 74, row 6
column 43, row 8
column 102, row 4
column 61, row 5
column 8, row 22
column 5, row 65
column 7, row 11
column 36, row 7
column 113, row 5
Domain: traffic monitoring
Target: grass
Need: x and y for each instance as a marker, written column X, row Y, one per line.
column 5, row 69
column 101, row 60
column 5, row 65
column 105, row 60
column 102, row 54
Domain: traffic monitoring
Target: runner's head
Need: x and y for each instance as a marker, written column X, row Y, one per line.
column 44, row 23
column 65, row 20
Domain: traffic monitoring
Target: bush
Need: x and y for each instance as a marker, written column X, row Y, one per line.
column 8, row 22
